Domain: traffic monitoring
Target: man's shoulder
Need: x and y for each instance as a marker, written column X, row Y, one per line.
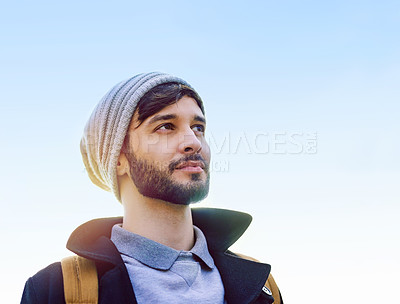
column 49, row 273
column 46, row 286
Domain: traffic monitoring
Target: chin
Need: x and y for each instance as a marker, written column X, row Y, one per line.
column 179, row 193
column 183, row 177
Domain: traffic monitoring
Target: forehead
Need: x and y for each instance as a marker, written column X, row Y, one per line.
column 184, row 108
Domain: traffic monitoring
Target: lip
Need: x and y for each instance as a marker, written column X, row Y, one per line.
column 191, row 166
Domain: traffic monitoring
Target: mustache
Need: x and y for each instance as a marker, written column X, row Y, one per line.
column 193, row 157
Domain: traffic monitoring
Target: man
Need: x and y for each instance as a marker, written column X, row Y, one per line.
column 145, row 142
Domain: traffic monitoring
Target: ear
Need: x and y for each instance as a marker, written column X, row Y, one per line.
column 123, row 165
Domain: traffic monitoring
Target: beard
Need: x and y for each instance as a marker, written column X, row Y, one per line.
column 156, row 181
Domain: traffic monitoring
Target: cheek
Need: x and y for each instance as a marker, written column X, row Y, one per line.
column 151, row 144
column 160, row 147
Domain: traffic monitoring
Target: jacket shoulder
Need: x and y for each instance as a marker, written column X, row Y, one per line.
column 271, row 285
column 46, row 286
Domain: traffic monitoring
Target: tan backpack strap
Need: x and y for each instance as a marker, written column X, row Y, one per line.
column 270, row 283
column 80, row 280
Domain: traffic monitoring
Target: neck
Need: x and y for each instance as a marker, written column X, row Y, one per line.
column 160, row 221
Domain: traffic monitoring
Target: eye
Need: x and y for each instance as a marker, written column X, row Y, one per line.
column 199, row 128
column 166, row 126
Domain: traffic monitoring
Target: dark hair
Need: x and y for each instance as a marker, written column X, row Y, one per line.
column 162, row 96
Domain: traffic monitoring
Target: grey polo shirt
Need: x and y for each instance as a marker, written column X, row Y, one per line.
column 160, row 274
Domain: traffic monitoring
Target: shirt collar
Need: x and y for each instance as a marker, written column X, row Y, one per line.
column 200, row 248
column 154, row 254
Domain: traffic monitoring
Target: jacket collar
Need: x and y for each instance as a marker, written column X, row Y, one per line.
column 221, row 227
column 243, row 279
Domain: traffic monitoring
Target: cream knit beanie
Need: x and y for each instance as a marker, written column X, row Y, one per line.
column 107, row 126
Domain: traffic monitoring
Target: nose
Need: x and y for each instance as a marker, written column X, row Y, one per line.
column 190, row 143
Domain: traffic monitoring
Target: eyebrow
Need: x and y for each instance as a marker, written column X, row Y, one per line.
column 172, row 116
column 161, row 117
column 199, row 118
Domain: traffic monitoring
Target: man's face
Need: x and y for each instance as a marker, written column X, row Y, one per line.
column 168, row 154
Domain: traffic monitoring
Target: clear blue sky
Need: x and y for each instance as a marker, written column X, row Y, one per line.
column 273, row 74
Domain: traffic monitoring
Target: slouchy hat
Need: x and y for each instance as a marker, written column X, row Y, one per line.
column 106, row 128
